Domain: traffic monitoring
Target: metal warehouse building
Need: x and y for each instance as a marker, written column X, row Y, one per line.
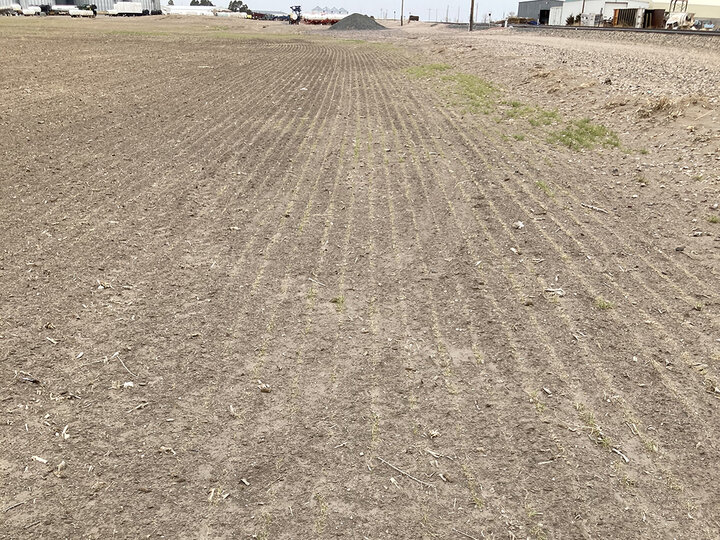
column 105, row 5
column 602, row 8
column 538, row 9
column 102, row 5
column 703, row 9
column 557, row 11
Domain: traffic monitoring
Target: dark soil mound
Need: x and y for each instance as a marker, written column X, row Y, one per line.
column 357, row 22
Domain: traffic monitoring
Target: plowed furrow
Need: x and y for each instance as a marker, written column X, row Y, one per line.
column 507, row 231
column 594, row 292
column 657, row 274
column 467, row 350
column 270, row 285
column 124, row 151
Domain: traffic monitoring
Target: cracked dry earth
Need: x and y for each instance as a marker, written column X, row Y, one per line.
column 269, row 285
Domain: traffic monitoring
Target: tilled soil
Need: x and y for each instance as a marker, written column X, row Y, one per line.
column 291, row 286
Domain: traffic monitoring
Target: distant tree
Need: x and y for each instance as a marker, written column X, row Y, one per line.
column 171, row 3
column 238, row 6
column 206, row 3
column 194, row 3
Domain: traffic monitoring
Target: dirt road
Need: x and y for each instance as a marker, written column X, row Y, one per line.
column 269, row 285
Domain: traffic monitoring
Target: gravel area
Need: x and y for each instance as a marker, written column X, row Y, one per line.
column 650, row 65
column 661, row 65
column 356, row 21
column 703, row 40
column 658, row 92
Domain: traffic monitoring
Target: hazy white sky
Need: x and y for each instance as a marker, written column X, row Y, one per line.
column 378, row 8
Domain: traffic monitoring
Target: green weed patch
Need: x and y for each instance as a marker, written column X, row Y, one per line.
column 427, row 70
column 583, row 134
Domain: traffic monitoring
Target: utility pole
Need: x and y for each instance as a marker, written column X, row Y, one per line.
column 402, row 8
column 447, row 14
column 472, row 11
column 429, row 12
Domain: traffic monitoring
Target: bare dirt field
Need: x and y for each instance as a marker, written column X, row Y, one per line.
column 267, row 282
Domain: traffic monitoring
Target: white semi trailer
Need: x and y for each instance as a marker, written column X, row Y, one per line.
column 61, row 9
column 76, row 13
column 127, row 9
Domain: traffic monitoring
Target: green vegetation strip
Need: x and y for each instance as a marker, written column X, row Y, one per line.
column 427, row 70
column 480, row 96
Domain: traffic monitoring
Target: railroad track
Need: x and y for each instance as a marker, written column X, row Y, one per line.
column 702, row 33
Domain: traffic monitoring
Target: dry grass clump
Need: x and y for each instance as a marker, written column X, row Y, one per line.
column 655, row 106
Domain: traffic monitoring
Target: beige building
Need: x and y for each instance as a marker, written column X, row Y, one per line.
column 703, row 9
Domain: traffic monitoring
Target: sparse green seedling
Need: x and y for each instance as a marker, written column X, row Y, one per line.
column 627, row 480
column 603, row 304
column 587, row 417
column 673, row 483
column 650, row 445
column 537, row 532
column 643, row 151
column 535, row 400
column 474, row 495
column 583, row 134
column 322, row 512
column 713, row 219
column 519, row 137
column 374, row 428
column 605, row 441
column 595, row 433
column 698, row 307
column 339, row 302
column 531, row 512
column 544, row 187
